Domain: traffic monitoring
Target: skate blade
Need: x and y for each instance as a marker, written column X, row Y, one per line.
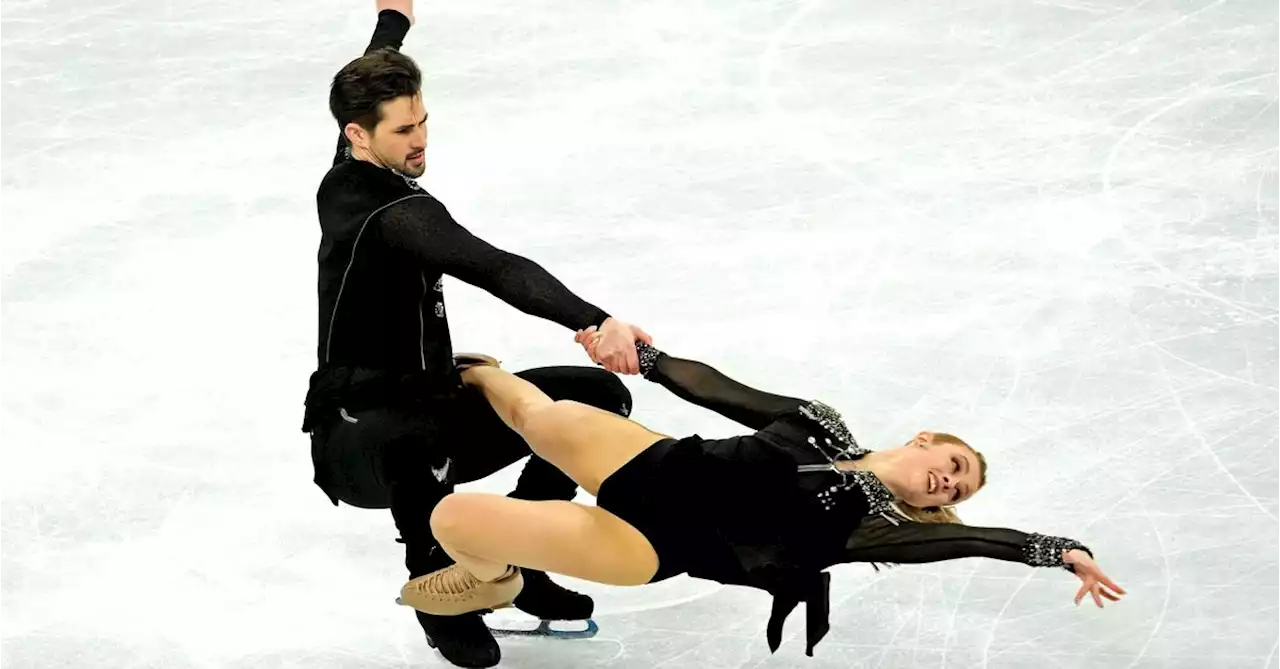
column 554, row 629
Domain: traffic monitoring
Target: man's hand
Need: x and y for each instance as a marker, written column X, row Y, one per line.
column 613, row 345
column 403, row 6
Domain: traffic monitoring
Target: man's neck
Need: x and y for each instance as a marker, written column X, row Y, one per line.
column 366, row 156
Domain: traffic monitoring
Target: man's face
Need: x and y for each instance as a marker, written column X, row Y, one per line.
column 399, row 141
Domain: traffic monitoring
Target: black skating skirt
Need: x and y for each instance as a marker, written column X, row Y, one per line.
column 675, row 494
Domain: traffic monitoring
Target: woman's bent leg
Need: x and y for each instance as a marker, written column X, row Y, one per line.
column 586, row 443
column 486, row 534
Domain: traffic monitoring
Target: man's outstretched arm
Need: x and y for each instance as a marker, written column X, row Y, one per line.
column 423, row 227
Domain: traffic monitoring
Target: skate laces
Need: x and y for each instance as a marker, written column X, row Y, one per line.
column 451, row 581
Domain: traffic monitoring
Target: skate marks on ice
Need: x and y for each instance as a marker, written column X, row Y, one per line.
column 612, row 604
column 1048, row 226
column 623, row 631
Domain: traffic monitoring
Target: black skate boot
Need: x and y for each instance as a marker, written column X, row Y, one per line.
column 560, row 613
column 546, row 599
column 463, row 640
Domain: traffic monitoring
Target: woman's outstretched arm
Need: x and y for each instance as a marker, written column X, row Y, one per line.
column 707, row 387
column 879, row 540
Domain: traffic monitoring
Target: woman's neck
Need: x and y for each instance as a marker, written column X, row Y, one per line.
column 880, row 463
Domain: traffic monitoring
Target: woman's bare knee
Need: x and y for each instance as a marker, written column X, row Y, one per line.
column 454, row 512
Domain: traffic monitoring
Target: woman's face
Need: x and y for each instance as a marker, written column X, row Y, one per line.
column 937, row 473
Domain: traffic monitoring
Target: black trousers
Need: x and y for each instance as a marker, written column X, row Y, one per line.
column 407, row 458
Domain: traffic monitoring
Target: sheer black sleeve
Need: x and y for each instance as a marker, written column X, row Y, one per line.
column 390, row 32
column 422, row 226
column 878, row 539
column 706, row 387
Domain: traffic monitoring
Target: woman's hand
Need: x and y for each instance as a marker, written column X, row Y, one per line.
column 1096, row 583
column 465, row 362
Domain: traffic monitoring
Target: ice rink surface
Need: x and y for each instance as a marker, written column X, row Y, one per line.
column 1050, row 228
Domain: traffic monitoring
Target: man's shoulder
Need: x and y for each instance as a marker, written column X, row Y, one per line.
column 352, row 173
column 357, row 176
column 354, row 191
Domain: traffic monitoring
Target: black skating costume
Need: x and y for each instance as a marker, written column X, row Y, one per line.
column 770, row 510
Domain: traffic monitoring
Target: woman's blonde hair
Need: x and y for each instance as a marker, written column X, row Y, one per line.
column 943, row 514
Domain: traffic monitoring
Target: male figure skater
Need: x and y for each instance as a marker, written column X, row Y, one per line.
column 391, row 425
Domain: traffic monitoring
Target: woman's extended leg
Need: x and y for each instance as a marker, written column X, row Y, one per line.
column 586, row 443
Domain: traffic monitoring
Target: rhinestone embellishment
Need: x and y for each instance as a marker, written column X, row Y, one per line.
column 648, row 356
column 1046, row 551
column 845, row 447
column 879, row 499
column 833, row 423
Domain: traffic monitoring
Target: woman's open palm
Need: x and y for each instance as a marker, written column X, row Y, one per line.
column 1095, row 582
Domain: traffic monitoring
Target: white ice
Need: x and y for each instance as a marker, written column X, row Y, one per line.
column 1048, row 227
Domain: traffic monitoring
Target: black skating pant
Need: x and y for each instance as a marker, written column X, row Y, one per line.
column 408, row 458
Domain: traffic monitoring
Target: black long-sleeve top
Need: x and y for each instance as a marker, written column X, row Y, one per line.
column 385, row 245
column 880, row 536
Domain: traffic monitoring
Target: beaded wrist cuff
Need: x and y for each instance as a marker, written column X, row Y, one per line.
column 1046, row 551
column 648, row 357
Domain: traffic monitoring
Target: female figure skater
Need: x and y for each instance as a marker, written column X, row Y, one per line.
column 771, row 510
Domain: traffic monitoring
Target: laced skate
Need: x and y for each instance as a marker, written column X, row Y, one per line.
column 454, row 591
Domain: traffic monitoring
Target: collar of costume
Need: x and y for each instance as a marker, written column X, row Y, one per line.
column 837, row 444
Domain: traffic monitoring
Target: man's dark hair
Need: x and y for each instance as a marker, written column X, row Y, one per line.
column 360, row 88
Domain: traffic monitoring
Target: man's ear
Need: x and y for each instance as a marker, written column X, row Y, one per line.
column 357, row 135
